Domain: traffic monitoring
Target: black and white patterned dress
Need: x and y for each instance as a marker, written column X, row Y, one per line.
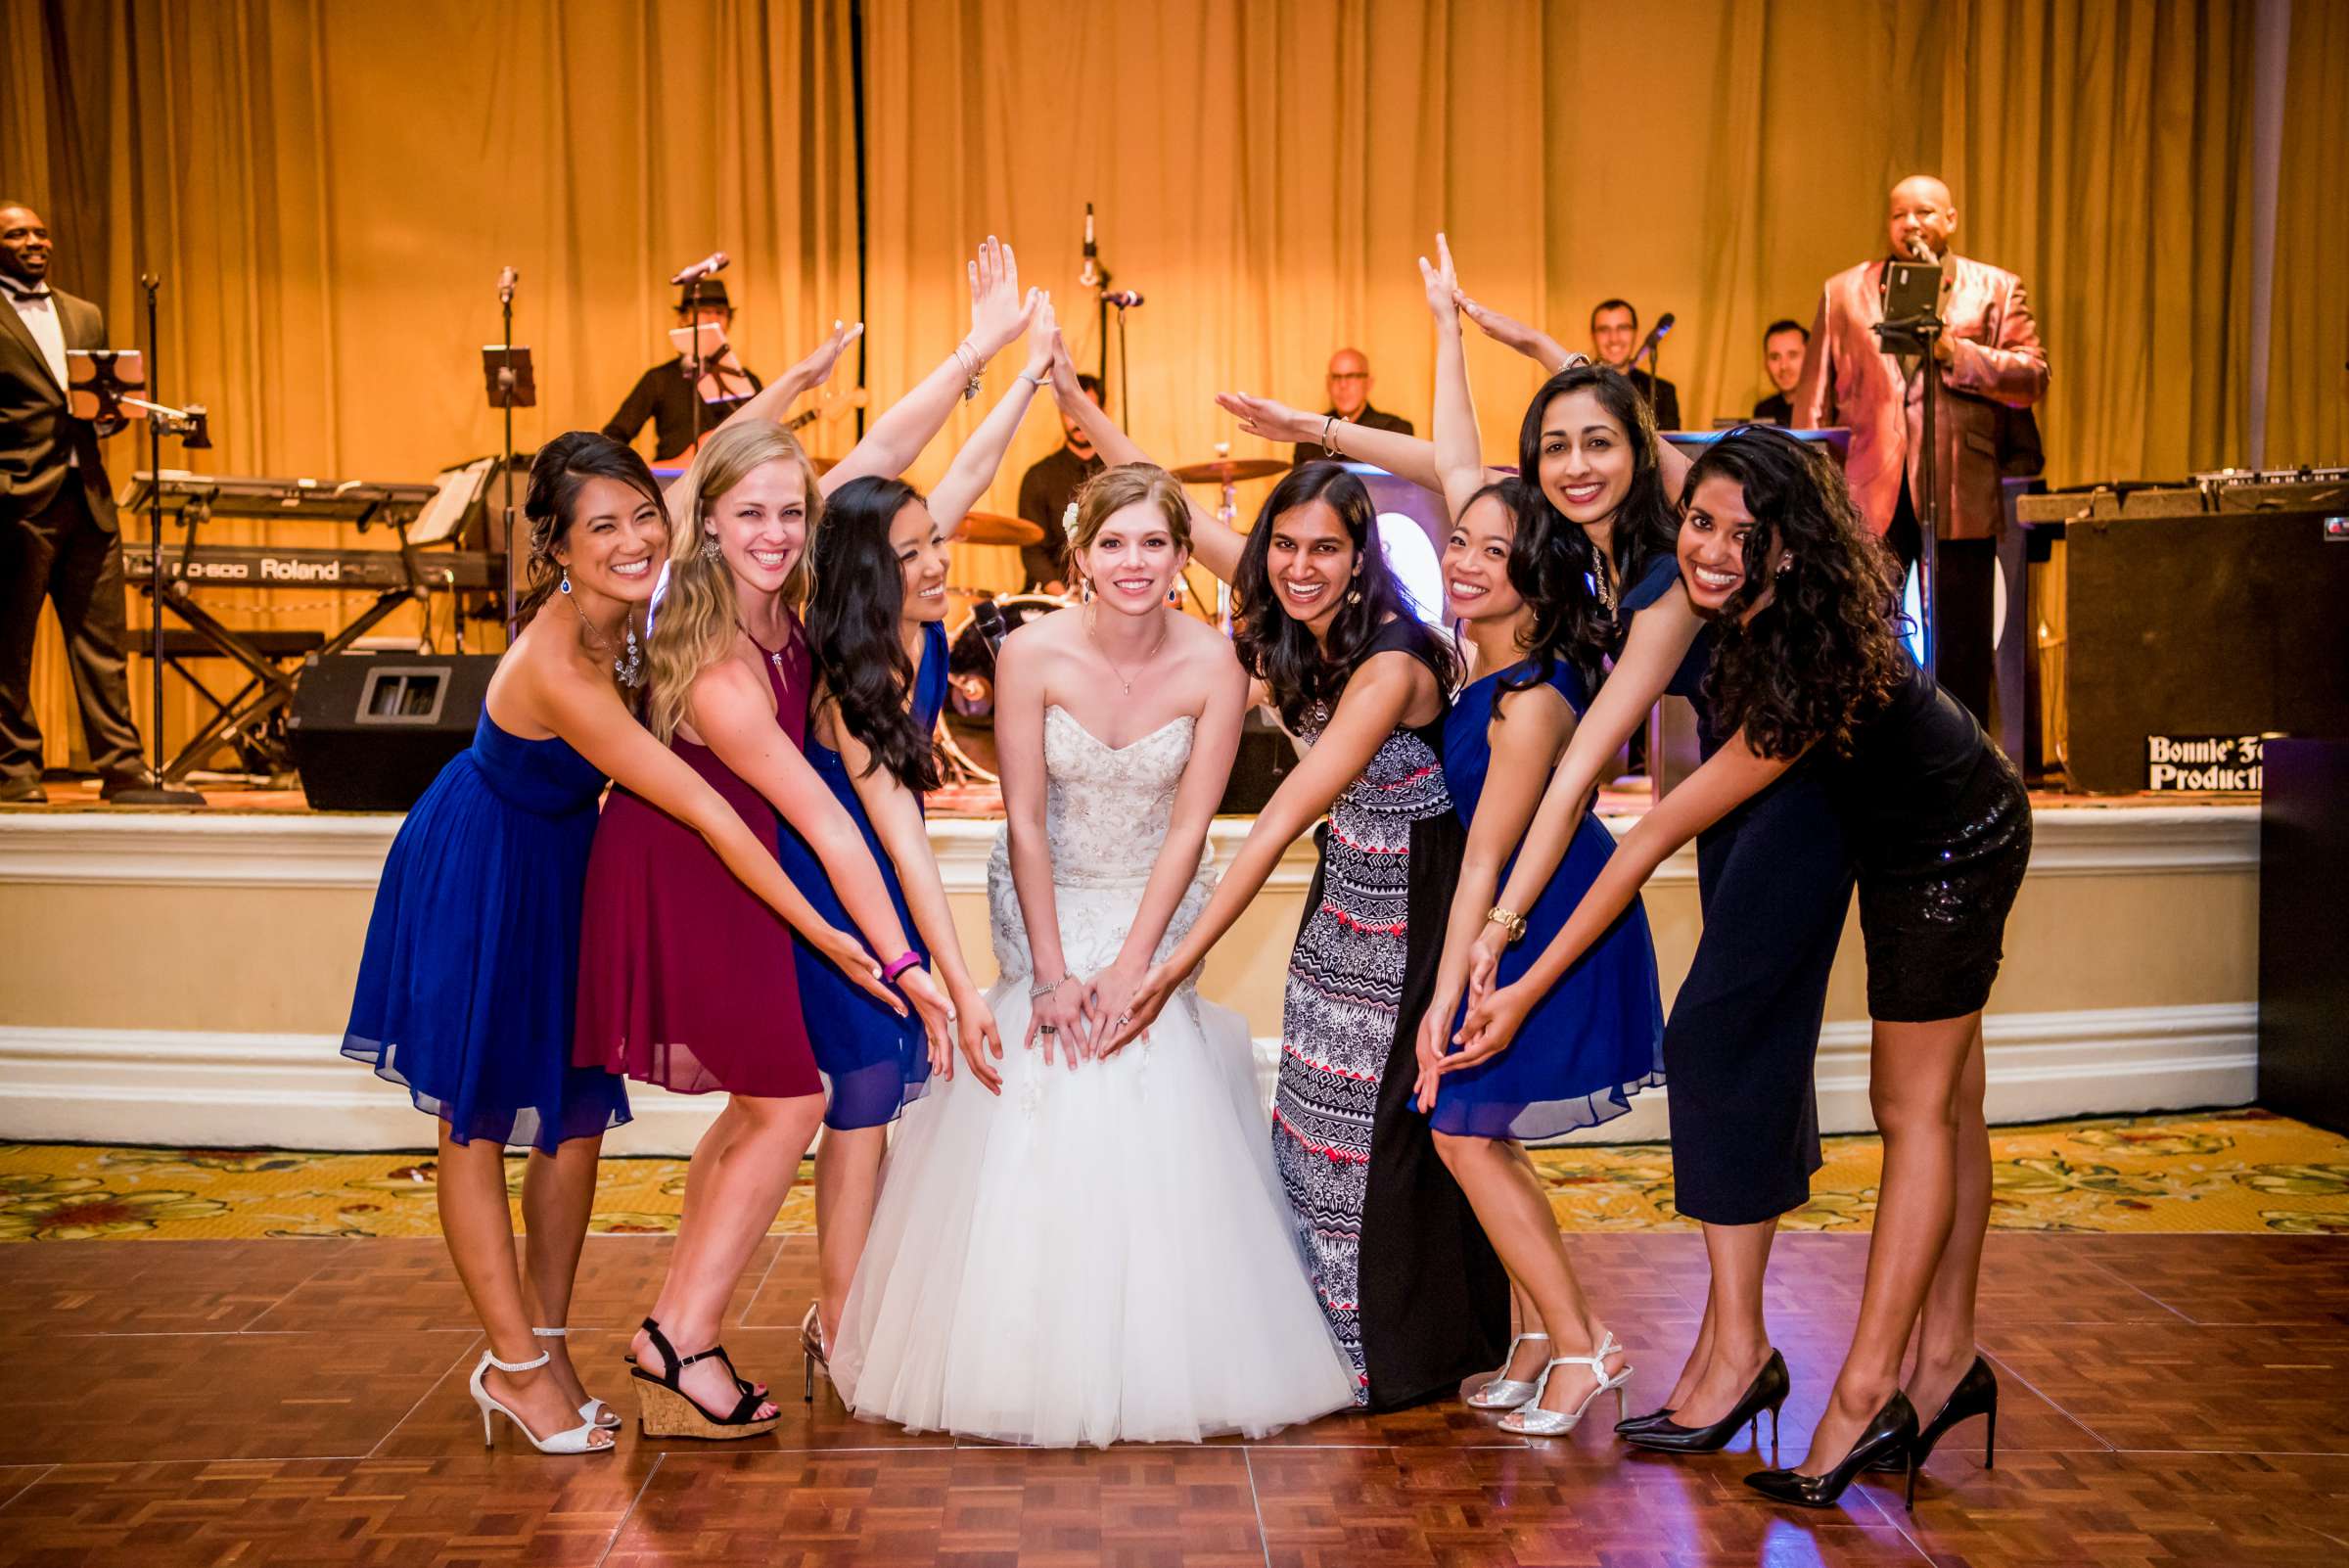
column 1412, row 1289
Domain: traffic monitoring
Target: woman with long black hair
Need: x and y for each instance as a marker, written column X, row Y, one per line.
column 1809, row 662
column 876, row 626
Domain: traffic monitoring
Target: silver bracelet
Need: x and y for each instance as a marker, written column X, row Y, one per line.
column 973, row 364
column 1035, row 992
column 1037, row 382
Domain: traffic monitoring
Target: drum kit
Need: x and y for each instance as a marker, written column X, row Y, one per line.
column 966, row 729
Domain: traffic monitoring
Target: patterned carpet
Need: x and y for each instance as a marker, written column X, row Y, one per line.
column 2228, row 1171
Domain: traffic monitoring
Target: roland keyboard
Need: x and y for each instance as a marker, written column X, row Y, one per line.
column 272, row 566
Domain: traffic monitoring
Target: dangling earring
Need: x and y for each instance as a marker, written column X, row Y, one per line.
column 1353, row 593
column 1084, row 590
column 565, row 584
column 709, row 548
column 630, row 667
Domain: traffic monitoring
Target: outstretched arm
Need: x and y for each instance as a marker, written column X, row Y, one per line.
column 591, row 718
column 1373, row 703
column 1403, row 456
column 1734, row 774
column 998, row 315
column 774, row 400
column 974, row 467
column 1660, row 639
column 733, row 712
column 896, row 814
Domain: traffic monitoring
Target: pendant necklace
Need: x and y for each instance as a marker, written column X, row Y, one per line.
column 1123, row 685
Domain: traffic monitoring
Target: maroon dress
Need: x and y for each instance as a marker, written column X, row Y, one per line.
column 687, row 979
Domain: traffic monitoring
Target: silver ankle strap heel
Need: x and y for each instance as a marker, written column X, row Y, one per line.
column 578, row 1440
column 1535, row 1421
column 1502, row 1392
column 595, row 1412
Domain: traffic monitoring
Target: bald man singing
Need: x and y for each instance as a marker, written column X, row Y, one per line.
column 1988, row 356
column 1350, row 400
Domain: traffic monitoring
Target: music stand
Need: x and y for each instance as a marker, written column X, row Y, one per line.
column 512, row 385
column 1913, row 325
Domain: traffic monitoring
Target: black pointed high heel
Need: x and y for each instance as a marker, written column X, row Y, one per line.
column 1892, row 1431
column 1641, row 1423
column 1976, row 1394
column 1767, row 1392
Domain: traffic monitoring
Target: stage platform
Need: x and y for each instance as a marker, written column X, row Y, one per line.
column 183, row 977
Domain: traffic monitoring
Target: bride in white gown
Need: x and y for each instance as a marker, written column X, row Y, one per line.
column 1097, row 1249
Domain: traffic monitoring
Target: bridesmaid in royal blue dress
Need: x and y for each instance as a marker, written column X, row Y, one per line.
column 465, row 985
column 877, row 627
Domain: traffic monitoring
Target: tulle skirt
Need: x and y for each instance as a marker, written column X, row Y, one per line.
column 1100, row 1254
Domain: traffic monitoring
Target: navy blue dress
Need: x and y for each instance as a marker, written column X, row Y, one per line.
column 1594, row 1040
column 1774, row 882
column 875, row 1062
column 468, row 981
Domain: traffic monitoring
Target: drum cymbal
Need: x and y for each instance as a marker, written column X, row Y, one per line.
column 993, row 528
column 1230, row 470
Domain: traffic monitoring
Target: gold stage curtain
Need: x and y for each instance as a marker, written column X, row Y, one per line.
column 2308, row 381
column 329, row 190
column 1266, row 173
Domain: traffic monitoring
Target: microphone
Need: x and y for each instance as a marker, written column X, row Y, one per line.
column 993, row 629
column 507, row 277
column 1123, row 299
column 1090, row 277
column 1655, row 336
column 715, row 262
column 1918, row 248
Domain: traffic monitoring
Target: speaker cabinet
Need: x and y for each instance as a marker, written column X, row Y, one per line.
column 370, row 731
column 2216, row 624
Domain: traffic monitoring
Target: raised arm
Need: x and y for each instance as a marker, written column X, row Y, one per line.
column 1511, row 333
column 1214, row 744
column 896, row 818
column 774, row 400
column 1529, row 729
column 1057, row 1009
column 998, row 315
column 591, row 718
column 1459, row 453
column 733, row 712
column 974, row 467
column 1660, row 639
column 1374, row 702
column 1733, row 775
column 1403, row 456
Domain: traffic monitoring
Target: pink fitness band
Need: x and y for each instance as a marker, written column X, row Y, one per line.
column 907, row 960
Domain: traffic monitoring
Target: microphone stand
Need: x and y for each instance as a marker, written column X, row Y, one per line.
column 1918, row 335
column 505, row 385
column 693, row 314
column 1124, row 371
column 190, row 425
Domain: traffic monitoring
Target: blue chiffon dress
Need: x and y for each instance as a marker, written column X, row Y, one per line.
column 467, row 979
column 874, row 1062
column 1596, row 1037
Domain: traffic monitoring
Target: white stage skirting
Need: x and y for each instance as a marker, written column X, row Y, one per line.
column 64, row 1078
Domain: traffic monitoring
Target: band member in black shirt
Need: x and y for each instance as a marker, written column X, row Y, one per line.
column 1614, row 340
column 664, row 394
column 1350, row 400
column 1046, row 489
column 1783, row 343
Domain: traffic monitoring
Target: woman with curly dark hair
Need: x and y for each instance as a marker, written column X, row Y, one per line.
column 1808, row 663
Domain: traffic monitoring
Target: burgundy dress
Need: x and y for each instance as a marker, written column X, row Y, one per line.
column 687, row 979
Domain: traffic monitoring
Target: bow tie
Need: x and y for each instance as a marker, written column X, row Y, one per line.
column 19, row 290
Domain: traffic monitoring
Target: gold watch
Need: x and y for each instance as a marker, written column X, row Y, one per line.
column 1514, row 923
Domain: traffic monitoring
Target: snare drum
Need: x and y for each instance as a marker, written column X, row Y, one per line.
column 966, row 729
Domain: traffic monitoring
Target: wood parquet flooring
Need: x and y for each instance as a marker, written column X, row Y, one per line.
column 2168, row 1402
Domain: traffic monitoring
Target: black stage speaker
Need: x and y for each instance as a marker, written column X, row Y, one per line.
column 370, row 731
column 1267, row 756
column 2303, row 985
column 2216, row 624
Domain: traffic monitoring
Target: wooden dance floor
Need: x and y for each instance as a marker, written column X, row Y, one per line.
column 2169, row 1400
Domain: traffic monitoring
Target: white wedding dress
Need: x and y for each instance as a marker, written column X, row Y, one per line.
column 1101, row 1254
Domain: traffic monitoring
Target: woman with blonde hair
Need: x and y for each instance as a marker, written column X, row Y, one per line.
column 684, row 981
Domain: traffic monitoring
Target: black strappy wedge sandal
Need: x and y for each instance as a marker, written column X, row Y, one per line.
column 664, row 1410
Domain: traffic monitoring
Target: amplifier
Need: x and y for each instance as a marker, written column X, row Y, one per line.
column 370, row 731
column 2207, row 623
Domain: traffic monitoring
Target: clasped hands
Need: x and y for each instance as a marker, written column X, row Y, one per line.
column 1494, row 1014
column 1094, row 1017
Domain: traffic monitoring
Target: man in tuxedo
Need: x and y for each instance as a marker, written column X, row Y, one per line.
column 664, row 394
column 1783, row 345
column 59, row 538
column 1614, row 340
column 1987, row 360
column 1350, row 400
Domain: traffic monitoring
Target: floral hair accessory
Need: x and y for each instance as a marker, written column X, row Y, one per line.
column 1068, row 519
